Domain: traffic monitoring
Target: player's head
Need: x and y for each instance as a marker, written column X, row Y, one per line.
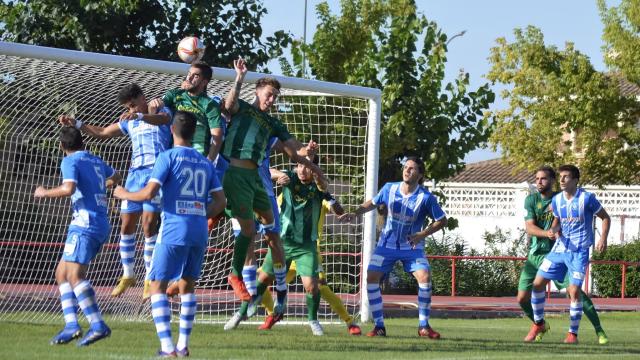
column 569, row 176
column 304, row 173
column 413, row 170
column 70, row 139
column 132, row 98
column 198, row 77
column 267, row 91
column 184, row 125
column 545, row 178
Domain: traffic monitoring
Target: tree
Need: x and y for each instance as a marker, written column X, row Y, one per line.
column 374, row 43
column 621, row 35
column 561, row 110
column 145, row 28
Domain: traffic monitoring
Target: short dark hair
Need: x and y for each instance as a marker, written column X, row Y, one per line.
column 548, row 170
column 129, row 92
column 184, row 124
column 416, row 160
column 575, row 172
column 207, row 73
column 71, row 138
column 268, row 80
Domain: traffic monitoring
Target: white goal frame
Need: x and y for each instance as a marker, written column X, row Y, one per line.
column 321, row 87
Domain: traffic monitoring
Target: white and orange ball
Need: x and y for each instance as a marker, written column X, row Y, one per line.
column 190, row 49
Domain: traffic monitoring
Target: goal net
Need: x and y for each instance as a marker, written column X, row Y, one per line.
column 37, row 84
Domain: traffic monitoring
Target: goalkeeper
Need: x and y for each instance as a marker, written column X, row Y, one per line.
column 330, row 205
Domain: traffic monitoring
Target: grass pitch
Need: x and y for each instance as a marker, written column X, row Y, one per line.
column 462, row 339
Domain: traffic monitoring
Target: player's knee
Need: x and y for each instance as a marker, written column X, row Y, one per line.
column 523, row 298
column 149, row 227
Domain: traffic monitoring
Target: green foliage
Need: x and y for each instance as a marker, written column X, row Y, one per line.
column 145, row 28
column 621, row 35
column 607, row 279
column 552, row 91
column 374, row 43
column 473, row 277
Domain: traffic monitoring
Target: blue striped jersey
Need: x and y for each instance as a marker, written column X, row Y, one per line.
column 406, row 214
column 147, row 140
column 186, row 178
column 89, row 201
column 263, row 169
column 576, row 220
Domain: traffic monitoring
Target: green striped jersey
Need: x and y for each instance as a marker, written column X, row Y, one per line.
column 249, row 133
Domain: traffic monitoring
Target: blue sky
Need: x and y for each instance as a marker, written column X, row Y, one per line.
column 577, row 21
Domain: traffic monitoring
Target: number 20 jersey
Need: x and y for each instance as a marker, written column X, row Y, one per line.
column 186, row 178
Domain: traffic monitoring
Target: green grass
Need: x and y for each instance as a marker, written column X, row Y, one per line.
column 462, row 339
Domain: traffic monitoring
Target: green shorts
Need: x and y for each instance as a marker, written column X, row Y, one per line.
column 245, row 192
column 306, row 258
column 530, row 270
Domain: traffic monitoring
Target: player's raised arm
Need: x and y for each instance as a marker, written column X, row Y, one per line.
column 280, row 177
column 98, row 132
column 290, row 148
column 66, row 189
column 159, row 118
column 362, row 209
column 231, row 102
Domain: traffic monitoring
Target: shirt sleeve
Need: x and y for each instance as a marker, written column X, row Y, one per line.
column 593, row 204
column 280, row 130
column 213, row 115
column 124, row 126
column 382, row 197
column 169, row 99
column 161, row 169
column 214, row 182
column 108, row 170
column 433, row 208
column 530, row 213
column 554, row 206
column 69, row 170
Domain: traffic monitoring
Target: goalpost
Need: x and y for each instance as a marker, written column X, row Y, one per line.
column 37, row 84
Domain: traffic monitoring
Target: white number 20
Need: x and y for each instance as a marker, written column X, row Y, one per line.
column 195, row 182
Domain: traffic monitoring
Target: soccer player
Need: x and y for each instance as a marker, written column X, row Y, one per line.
column 538, row 219
column 192, row 97
column 148, row 129
column 329, row 204
column 300, row 215
column 402, row 238
column 187, row 180
column 84, row 178
column 246, row 140
column 572, row 227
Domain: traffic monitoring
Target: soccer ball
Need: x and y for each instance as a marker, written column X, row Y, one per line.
column 190, row 49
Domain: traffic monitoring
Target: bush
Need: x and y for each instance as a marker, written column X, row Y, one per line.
column 607, row 278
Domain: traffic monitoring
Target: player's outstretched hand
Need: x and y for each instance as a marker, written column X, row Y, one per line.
column 128, row 116
column 283, row 180
column 39, row 193
column 67, row 120
column 312, row 148
column 240, row 66
column 346, row 218
column 119, row 192
column 414, row 239
column 155, row 105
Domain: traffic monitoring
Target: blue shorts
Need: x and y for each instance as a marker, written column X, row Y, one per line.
column 171, row 262
column 383, row 260
column 259, row 227
column 556, row 265
column 82, row 246
column 137, row 180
